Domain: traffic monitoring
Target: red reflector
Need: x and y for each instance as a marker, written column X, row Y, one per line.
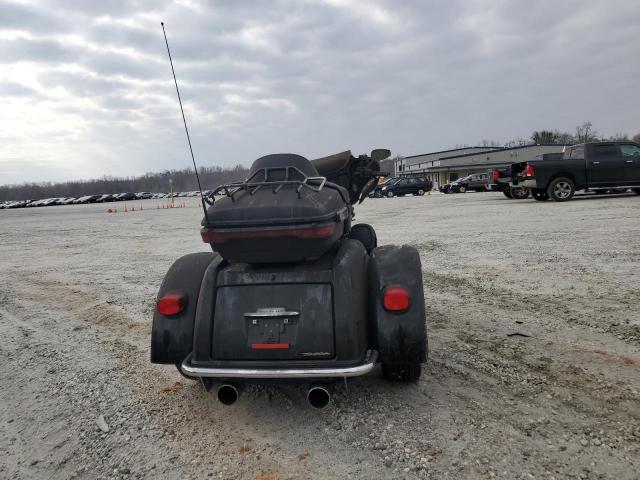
column 221, row 236
column 269, row 346
column 529, row 172
column 395, row 299
column 495, row 175
column 171, row 303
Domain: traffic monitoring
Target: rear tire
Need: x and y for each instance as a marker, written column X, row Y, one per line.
column 407, row 372
column 561, row 189
column 366, row 235
column 539, row 195
column 507, row 194
column 636, row 191
column 420, row 192
column 519, row 193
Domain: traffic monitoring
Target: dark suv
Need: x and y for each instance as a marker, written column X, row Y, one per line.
column 377, row 191
column 475, row 181
column 404, row 186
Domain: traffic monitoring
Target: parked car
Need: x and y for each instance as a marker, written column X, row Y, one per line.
column 125, row 196
column 107, row 197
column 476, row 182
column 405, row 186
column 87, row 199
column 377, row 190
column 597, row 165
column 17, row 204
column 144, row 195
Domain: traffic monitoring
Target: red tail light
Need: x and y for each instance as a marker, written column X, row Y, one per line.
column 495, row 175
column 269, row 346
column 529, row 171
column 395, row 299
column 221, row 236
column 171, row 303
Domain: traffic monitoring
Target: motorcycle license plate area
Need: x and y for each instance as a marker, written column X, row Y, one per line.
column 270, row 333
column 273, row 322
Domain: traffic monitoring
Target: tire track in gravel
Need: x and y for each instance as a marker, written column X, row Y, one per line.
column 538, row 384
column 175, row 406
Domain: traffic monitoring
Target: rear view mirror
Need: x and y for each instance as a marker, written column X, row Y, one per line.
column 380, row 154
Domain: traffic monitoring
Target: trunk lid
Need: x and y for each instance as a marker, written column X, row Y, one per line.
column 273, row 322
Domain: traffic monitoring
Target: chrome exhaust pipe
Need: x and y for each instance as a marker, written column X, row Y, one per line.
column 319, row 395
column 228, row 393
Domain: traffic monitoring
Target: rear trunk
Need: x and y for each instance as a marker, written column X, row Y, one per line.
column 306, row 314
column 273, row 322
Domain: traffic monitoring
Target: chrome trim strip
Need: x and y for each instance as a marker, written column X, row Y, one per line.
column 368, row 365
column 272, row 313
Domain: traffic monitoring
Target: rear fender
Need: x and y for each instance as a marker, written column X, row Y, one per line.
column 400, row 337
column 172, row 336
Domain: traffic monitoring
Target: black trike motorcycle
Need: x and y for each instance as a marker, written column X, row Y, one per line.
column 293, row 290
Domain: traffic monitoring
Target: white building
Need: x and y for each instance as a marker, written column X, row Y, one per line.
column 448, row 165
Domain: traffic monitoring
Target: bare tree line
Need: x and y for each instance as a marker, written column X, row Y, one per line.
column 584, row 133
column 183, row 180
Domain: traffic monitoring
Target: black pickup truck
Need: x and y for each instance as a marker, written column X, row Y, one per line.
column 499, row 179
column 596, row 166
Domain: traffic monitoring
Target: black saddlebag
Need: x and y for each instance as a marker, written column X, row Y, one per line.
column 283, row 212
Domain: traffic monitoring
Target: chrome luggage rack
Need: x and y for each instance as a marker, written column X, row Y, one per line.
column 252, row 186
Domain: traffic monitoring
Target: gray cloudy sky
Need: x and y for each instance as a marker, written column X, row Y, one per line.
column 86, row 88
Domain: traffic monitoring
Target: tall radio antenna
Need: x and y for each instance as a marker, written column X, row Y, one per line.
column 195, row 168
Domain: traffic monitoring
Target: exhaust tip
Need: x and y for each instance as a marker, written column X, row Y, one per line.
column 228, row 394
column 318, row 397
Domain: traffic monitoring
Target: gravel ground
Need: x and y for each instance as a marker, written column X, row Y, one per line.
column 534, row 322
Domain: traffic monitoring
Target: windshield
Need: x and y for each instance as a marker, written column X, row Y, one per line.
column 390, row 181
column 464, row 179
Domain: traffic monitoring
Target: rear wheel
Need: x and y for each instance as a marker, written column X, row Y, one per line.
column 507, row 193
column 420, row 192
column 406, row 372
column 636, row 191
column 539, row 195
column 561, row 189
column 365, row 234
column 519, row 193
